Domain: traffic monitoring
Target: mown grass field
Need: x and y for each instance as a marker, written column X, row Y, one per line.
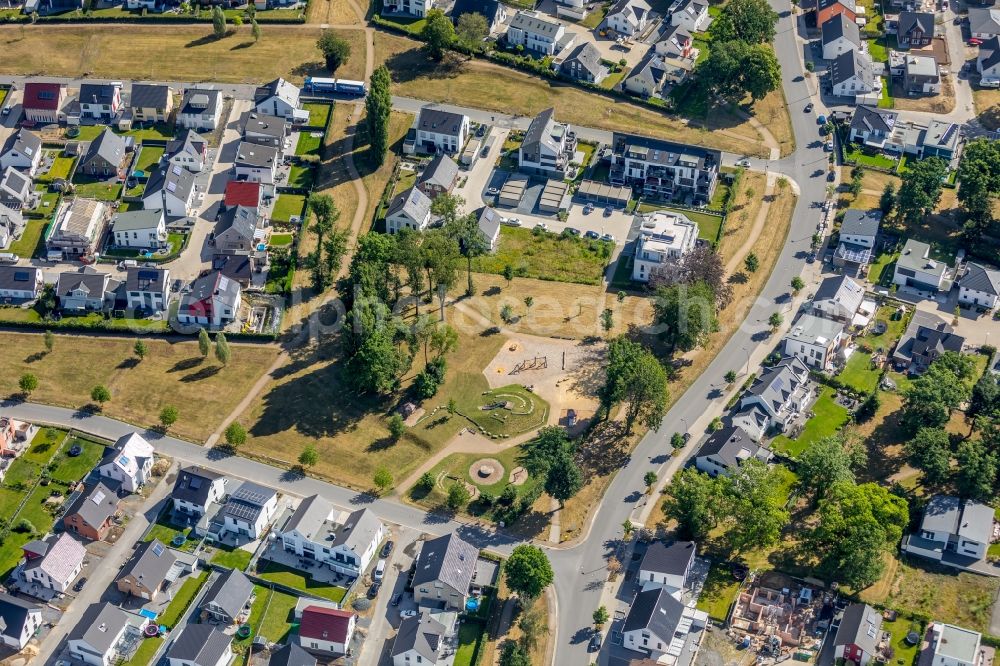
column 546, row 256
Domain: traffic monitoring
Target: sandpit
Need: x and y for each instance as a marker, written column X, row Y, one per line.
column 518, row 476
column 486, row 471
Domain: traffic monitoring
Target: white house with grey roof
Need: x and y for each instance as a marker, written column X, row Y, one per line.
column 840, row 35
column 86, row 290
column 979, row 286
column 419, row 640
column 19, row 620
column 489, row 227
column 97, row 636
column 212, row 300
column 12, row 225
column 629, row 17
column 247, row 512
column 229, row 597
column 951, row 645
column 23, row 151
column 200, row 645
column 858, row 232
column 726, row 449
column 443, row 572
column 917, row 270
column 872, row 126
column 584, row 64
column 142, row 229
column 345, row 541
column 408, row 210
column 664, row 237
column 547, row 148
column 954, row 532
column 264, row 129
column 172, row 190
column 815, row 341
column 838, row 298
column 538, row 34
column 147, row 288
column 853, row 75
column 438, row 177
column 196, row 490
column 280, row 98
column 667, row 565
column 55, row 569
column 147, row 571
column 661, row 627
column 129, row 462
column 988, row 63
column 257, row 164
column 100, row 101
column 648, row 77
column 692, row 15
column 984, row 22
column 15, row 189
column 775, row 398
column 20, row 282
column 189, row 151
column 200, row 109
column 437, row 131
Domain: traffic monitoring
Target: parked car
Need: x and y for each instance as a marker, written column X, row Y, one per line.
column 542, row 226
column 387, row 548
column 373, row 590
column 379, row 570
column 510, row 221
column 595, row 643
column 809, row 107
column 572, row 231
column 592, row 234
column 828, row 146
column 588, row 209
column 396, row 599
column 608, row 210
column 407, row 612
column 745, row 163
column 975, row 41
column 481, row 130
column 79, row 584
column 493, row 191
column 608, row 237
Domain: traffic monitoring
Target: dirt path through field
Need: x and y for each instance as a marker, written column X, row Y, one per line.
column 736, row 261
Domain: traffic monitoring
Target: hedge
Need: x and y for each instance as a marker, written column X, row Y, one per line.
column 149, row 18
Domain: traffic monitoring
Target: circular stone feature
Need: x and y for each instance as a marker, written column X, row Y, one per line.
column 486, row 471
column 518, row 476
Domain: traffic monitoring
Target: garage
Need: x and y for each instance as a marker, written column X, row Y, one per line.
column 512, row 192
column 602, row 193
column 552, row 197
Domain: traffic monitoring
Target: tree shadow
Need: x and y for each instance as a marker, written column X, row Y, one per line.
column 186, row 364
column 243, row 45
column 409, row 65
column 37, row 356
column 311, row 68
column 202, row 41
column 204, row 373
column 128, row 363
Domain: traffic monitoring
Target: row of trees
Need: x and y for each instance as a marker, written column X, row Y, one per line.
column 220, row 30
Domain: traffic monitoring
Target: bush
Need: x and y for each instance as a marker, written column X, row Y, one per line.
column 24, row 526
column 425, row 482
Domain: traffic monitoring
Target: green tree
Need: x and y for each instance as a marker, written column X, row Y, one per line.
column 755, row 507
column 978, row 185
column 887, row 202
column 397, row 427
column 168, row 417
column 508, row 273
column 693, row 499
column 977, row 470
column 309, row 456
column 237, row 23
column 636, row 378
column 383, row 479
column 823, row 464
column 336, row 50
column 628, row 529
column 797, row 284
column 218, row 22
column 751, row 263
column 464, row 229
column 649, row 478
column 100, row 394
column 458, row 496
column 775, row 320
column 438, row 33
column 601, row 616
column 472, row 29
column 920, row 189
column 222, row 351
column 528, row 571
column 607, row 320
column 686, row 314
column 374, row 360
column 942, row 388
column 255, row 30
column 677, row 441
column 528, row 302
column 930, row 452
column 506, row 313
column 236, row 435
column 27, row 383
column 730, row 376
column 426, row 482
column 751, row 21
column 140, row 349
column 512, row 654
column 204, row 342
column 378, row 107
column 49, row 341
column 735, row 69
column 550, row 445
column 563, row 479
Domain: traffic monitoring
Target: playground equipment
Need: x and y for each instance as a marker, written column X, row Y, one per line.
column 534, row 363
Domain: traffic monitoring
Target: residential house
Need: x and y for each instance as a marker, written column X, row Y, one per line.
column 941, row 139
column 264, row 130
column 97, row 636
column 43, row 101
column 925, row 339
column 15, row 436
column 675, row 43
column 147, row 571
column 151, row 103
column 92, row 512
column 664, row 170
column 48, row 7
column 23, row 151
column 827, row 9
column 984, row 22
column 906, row 139
column 775, row 398
column 852, row 74
column 648, row 77
column 200, row 645
column 815, row 341
column 443, row 572
column 489, row 227
column 228, row 599
column 196, row 490
column 920, row 75
column 840, row 35
column 105, row 156
column 629, row 17
column 417, row 8
column 100, row 101
column 659, row 625
column 86, row 290
column 12, row 225
column 664, row 237
column 239, row 268
column 240, row 231
column 290, row 654
column 858, row 232
column 257, row 164
column 408, row 210
column 838, row 298
column 667, row 565
column 247, row 512
column 872, row 126
column 954, row 532
column 692, row 15
column 171, row 189
column 200, row 110
column 438, row 177
column 20, row 282
column 19, row 620
column 419, row 640
column 547, row 148
column 141, row 229
column 212, row 300
column 494, row 11
column 914, row 30
column 858, row 635
column 584, row 64
column 326, row 630
column 147, row 288
column 979, row 287
column 436, row 130
column 129, row 462
column 916, row 270
column 189, row 151
column 988, row 63
column 955, row 646
column 538, row 34
column 726, row 449
column 77, row 227
column 243, row 193
column 280, row 98
column 345, row 541
column 51, row 564
column 15, row 189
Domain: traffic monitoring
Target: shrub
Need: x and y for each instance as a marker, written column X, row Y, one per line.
column 425, row 482
column 24, row 526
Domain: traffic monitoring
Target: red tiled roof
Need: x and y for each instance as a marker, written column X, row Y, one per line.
column 327, row 624
column 41, row 96
column 240, row 193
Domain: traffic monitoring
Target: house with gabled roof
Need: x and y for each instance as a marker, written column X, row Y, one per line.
column 212, row 300
column 584, row 64
column 147, row 571
column 852, row 75
column 648, row 77
column 538, row 33
column 228, row 598
column 200, row 645
column 86, row 290
column 438, row 177
column 12, row 225
column 129, row 462
column 838, row 298
column 171, row 189
column 547, row 147
column 326, row 631
column 840, row 35
column 346, row 541
column 488, row 222
column 247, row 512
column 200, row 109
column 20, row 282
column 979, row 286
column 692, row 15
column 984, row 22
column 419, row 640
column 954, row 532
column 240, row 231
column 872, row 126
column 858, row 635
column 257, row 164
column 189, row 151
column 494, row 11
column 925, row 339
column 659, row 625
column 914, row 30
column 15, row 189
column 42, row 102
column 150, row 103
column 23, row 151
column 780, row 393
column 105, row 156
column 726, row 449
column 92, row 512
column 51, row 564
column 147, row 288
column 858, row 232
column 142, row 229
column 280, row 98
column 408, row 210
column 243, row 193
column 100, row 101
column 99, row 634
column 436, row 130
column 443, row 572
column 196, row 490
column 629, row 17
column 291, row 654
column 19, row 620
column 667, row 565
column 823, row 10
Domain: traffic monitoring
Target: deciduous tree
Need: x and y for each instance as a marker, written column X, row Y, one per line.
column 694, row 500
column 977, row 470
column 636, row 378
column 920, row 189
column 685, row 314
column 438, row 33
column 168, row 417
column 222, row 351
column 100, row 394
column 236, row 435
column 528, row 571
column 218, row 22
column 563, row 479
column 336, row 50
column 472, row 29
column 27, row 383
column 751, row 21
column 930, row 452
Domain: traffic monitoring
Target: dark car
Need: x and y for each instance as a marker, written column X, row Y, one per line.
column 592, row 234
column 608, row 211
column 373, row 590
column 396, row 599
column 831, row 176
column 595, row 643
column 572, row 232
column 74, row 451
column 809, row 107
column 79, row 584
column 481, row 130
column 386, row 549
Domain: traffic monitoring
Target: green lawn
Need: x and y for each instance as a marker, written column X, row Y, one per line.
column 92, row 188
column 22, row 471
column 234, row 558
column 300, row 177
column 883, row 268
column 182, row 599
column 828, row 419
column 261, row 595
column 546, row 256
column 470, row 638
column 61, row 167
column 149, row 158
column 613, row 79
column 286, row 206
column 35, row 509
column 319, row 113
column 9, row 499
column 859, row 374
column 165, row 532
column 46, row 205
column 278, row 621
column 158, row 131
column 853, row 153
column 594, row 18
column 718, row 593
column 885, row 100
column 144, row 655
column 85, row 132
column 905, row 654
column 44, row 446
column 71, row 469
column 281, row 240
column 278, row 573
column 31, row 242
column 309, row 143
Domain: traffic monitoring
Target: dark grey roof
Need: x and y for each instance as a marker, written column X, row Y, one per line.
column 413, row 202
column 193, row 485
column 200, row 101
column 860, row 626
column 441, row 171
column 24, row 142
column 942, row 514
column 238, row 267
column 14, row 615
column 777, row 383
column 439, row 121
column 674, row 35
column 422, row 634
column 852, row 63
column 672, row 559
column 200, row 644
column 290, row 654
column 910, row 20
column 136, row 220
column 207, row 286
column 91, row 280
column 448, row 559
column 279, row 87
column 108, row 146
column 263, row 124
column 97, row 93
column 657, row 611
column 256, row 155
column 247, row 502
column 241, row 219
column 149, row 564
column 18, row 277
column 587, row 56
column 841, row 26
column 177, row 180
column 229, row 592
column 870, row 119
column 489, row 223
column 95, row 505
column 149, row 96
column 487, row 8
column 859, row 222
column 732, row 445
column 190, row 137
column 666, row 153
column 980, row 278
column 16, row 183
column 99, row 626
column 984, row 20
column 150, row 280
column 540, row 132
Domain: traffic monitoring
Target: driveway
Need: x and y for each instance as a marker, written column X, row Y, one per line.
column 479, row 175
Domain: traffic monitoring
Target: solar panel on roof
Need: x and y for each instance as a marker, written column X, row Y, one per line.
column 98, row 497
column 171, row 187
column 157, row 549
column 123, row 460
column 149, row 275
column 194, row 483
column 177, row 170
column 21, row 276
column 242, row 510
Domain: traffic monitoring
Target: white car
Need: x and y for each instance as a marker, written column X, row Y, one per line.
column 542, row 226
column 510, row 221
column 745, row 163
column 407, row 613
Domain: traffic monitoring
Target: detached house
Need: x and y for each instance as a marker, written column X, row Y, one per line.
column 436, row 130
column 51, row 564
column 20, row 282
column 12, row 225
column 229, row 598
column 200, row 110
column 725, row 450
column 290, row 654
column 172, row 190
column 97, row 636
column 827, row 9
column 257, row 164
column 914, row 29
column 77, row 227
column 213, row 300
column 648, row 77
column 129, row 461
column 147, row 571
column 859, row 634
column 247, row 512
column 200, row 645
column 667, row 565
column 105, row 156
column 142, row 229
column 838, row 298
column 547, row 148
column 872, row 126
column 941, row 139
column 343, row 540
column 43, row 101
column 692, row 15
column 488, row 221
column 147, row 288
column 538, row 34
column 584, row 64
column 19, row 620
column 852, row 74
column 280, row 98
column 781, row 392
column 151, row 103
column 418, row 8
column 438, row 177
column 100, row 101
column 443, row 572
column 408, row 210
column 954, row 532
column 22, row 151
column 858, row 232
column 86, row 290
column 264, row 130
column 984, row 22
column 628, row 17
column 916, row 270
column 494, row 11
column 840, row 35
column 190, row 151
column 325, row 630
column 925, row 339
column 15, row 190
column 196, row 490
column 664, row 170
column 419, row 640
column 920, row 74
column 955, row 646
column 92, row 513
column 979, row 287
column 815, row 341
column 658, row 625
column 241, row 231
column 664, row 237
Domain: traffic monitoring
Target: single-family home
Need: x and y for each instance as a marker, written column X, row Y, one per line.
column 96, row 638
column 19, row 620
column 86, row 290
column 408, row 210
column 872, row 126
column 547, row 148
column 840, row 35
column 280, row 98
column 826, row 9
column 916, row 270
column 151, row 103
column 838, row 298
column 212, row 300
column 941, row 139
column 489, row 227
column 925, row 339
column 436, row 130
column 858, row 635
column 675, row 42
column 692, row 15
column 954, row 532
column 345, row 541
column 257, row 164
column 726, row 449
column 171, row 189
column 420, row 640
column 20, row 282
column 979, row 286
column 858, row 232
column 15, row 189
column 76, row 228
column 648, row 77
column 129, row 462
column 43, row 101
column 494, row 11
column 92, row 512
column 984, row 22
column 147, row 571
column 417, row 8
column 326, row 630
column 664, row 170
column 667, row 565
column 775, row 398
column 47, row 7
column 147, row 288
column 243, row 193
column 228, row 598
column 23, row 151
column 200, row 110
column 239, row 268
column 200, row 645
column 920, row 75
column 658, row 625
column 263, row 129
column 52, row 563
column 189, row 151
column 438, row 177
column 664, row 237
column 247, row 512
column 443, row 572
column 955, row 646
column 584, row 64
column 105, row 156
column 196, row 490
column 914, row 29
column 100, row 101
column 240, row 231
column 142, row 229
column 12, row 225
column 538, row 34
column 290, row 654
column 628, row 17
column 815, row 341
column 852, row 74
